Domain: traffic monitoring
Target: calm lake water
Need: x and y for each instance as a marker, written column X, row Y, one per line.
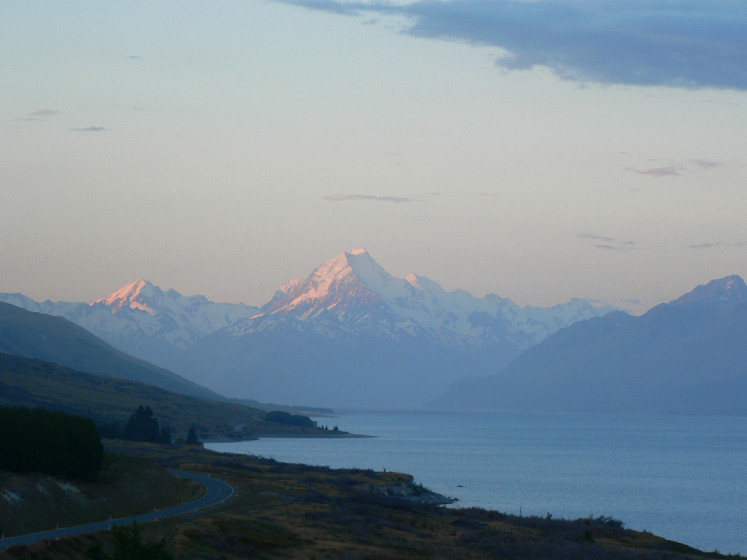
column 683, row 478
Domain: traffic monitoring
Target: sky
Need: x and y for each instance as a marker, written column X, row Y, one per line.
column 538, row 150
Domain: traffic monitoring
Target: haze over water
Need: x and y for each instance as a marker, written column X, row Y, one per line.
column 682, row 478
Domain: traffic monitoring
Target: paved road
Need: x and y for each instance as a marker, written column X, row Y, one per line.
column 217, row 492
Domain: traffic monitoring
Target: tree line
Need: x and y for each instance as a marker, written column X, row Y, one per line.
column 50, row 442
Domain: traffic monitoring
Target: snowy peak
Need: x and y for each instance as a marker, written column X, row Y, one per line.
column 352, row 289
column 140, row 294
column 730, row 289
column 339, row 280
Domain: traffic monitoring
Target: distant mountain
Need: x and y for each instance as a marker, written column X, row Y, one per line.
column 688, row 356
column 145, row 321
column 55, row 339
column 350, row 334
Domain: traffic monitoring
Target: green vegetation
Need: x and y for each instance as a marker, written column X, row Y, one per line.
column 192, row 438
column 280, row 417
column 143, row 426
column 49, row 442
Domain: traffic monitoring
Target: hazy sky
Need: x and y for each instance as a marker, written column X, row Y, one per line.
column 537, row 150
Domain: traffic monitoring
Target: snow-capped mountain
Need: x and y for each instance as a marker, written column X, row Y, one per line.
column 352, row 334
column 180, row 320
column 348, row 334
column 354, row 292
column 143, row 320
column 731, row 289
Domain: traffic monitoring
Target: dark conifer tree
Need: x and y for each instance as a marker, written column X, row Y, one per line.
column 142, row 426
column 165, row 435
column 192, row 436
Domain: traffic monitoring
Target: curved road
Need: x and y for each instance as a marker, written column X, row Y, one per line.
column 217, row 492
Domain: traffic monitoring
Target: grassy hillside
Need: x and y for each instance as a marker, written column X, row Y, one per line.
column 57, row 340
column 25, row 382
column 291, row 511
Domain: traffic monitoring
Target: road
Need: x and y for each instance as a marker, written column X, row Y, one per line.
column 217, row 491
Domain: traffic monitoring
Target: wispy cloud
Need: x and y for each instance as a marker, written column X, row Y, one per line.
column 40, row 115
column 688, row 43
column 706, row 164
column 370, row 197
column 667, row 171
column 678, row 169
column 90, row 129
column 712, row 245
column 607, row 243
column 594, row 236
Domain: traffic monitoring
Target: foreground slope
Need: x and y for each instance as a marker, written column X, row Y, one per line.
column 35, row 383
column 54, row 339
column 684, row 357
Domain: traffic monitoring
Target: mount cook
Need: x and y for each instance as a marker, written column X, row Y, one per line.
column 350, row 334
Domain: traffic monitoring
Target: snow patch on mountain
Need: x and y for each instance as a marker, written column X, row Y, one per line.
column 730, row 289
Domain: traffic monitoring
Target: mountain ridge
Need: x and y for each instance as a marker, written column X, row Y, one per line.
column 682, row 357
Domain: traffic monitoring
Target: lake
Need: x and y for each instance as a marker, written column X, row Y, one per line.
column 683, row 478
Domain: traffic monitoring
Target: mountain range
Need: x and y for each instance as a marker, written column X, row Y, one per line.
column 350, row 334
column 688, row 356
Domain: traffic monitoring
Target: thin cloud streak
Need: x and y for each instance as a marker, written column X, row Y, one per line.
column 40, row 115
column 678, row 169
column 689, row 43
column 668, row 171
column 594, row 236
column 608, row 243
column 370, row 197
column 90, row 129
column 712, row 245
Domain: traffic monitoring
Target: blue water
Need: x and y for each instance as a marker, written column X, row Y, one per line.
column 683, row 478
